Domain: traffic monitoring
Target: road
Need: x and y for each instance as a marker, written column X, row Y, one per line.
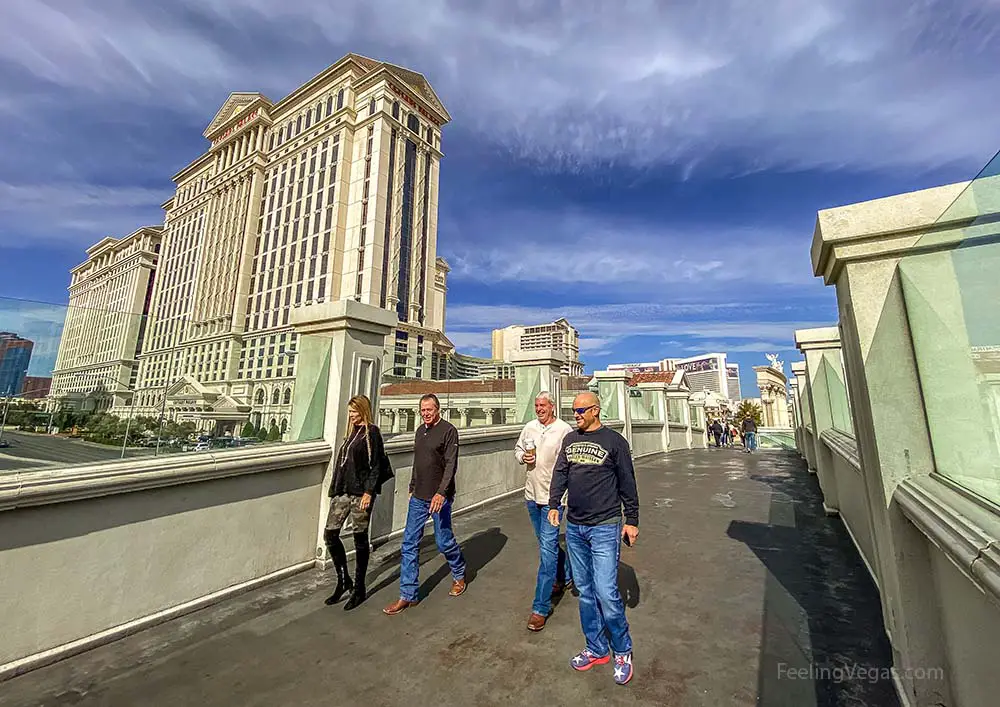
column 35, row 451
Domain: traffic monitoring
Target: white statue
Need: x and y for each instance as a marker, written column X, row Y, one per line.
column 775, row 363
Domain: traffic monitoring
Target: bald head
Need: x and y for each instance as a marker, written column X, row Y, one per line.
column 587, row 411
column 584, row 399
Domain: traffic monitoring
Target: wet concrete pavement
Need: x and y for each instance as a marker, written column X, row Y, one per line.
column 740, row 591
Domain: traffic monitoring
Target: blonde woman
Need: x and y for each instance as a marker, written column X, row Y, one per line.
column 361, row 468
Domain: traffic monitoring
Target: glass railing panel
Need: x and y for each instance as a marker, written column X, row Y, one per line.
column 832, row 375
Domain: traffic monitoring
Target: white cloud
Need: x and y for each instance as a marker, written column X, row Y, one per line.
column 733, row 327
column 473, row 343
column 70, row 213
column 569, row 247
column 784, row 83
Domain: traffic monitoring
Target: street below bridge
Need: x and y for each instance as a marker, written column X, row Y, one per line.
column 33, row 451
column 739, row 591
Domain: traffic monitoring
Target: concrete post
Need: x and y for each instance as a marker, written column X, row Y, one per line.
column 658, row 408
column 821, row 348
column 534, row 372
column 799, row 374
column 682, row 397
column 871, row 252
column 611, row 386
column 699, row 439
column 339, row 356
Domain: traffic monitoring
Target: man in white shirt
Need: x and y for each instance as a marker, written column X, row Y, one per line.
column 537, row 448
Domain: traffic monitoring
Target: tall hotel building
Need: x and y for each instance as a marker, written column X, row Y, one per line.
column 330, row 193
column 106, row 322
column 558, row 335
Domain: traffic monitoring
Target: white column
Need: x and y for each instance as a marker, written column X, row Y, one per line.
column 339, row 355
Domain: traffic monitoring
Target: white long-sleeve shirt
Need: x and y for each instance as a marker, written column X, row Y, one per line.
column 548, row 441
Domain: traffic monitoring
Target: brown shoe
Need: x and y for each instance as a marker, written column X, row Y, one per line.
column 398, row 607
column 536, row 622
column 457, row 588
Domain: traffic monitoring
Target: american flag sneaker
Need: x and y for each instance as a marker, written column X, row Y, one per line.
column 623, row 668
column 585, row 660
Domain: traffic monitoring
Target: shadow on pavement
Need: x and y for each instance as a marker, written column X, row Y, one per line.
column 823, row 641
column 628, row 585
column 479, row 550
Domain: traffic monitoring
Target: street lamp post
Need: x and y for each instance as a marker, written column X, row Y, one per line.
column 128, row 420
column 6, row 408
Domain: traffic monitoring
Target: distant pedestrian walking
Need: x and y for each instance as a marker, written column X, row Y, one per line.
column 432, row 491
column 538, row 448
column 749, row 434
column 595, row 466
column 717, row 433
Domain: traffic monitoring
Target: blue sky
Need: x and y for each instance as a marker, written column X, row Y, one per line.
column 649, row 170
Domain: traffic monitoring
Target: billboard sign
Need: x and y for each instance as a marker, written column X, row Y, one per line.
column 700, row 364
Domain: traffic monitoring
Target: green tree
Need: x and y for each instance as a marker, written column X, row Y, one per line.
column 273, row 434
column 248, row 430
column 748, row 408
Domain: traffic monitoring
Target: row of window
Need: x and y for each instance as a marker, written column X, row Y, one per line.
column 291, row 129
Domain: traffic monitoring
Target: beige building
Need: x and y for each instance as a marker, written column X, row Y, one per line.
column 106, row 322
column 330, row 193
column 556, row 336
column 772, row 383
column 705, row 372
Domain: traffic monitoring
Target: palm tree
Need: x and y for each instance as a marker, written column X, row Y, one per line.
column 748, row 408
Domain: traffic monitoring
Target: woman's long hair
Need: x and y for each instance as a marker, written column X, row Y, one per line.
column 363, row 406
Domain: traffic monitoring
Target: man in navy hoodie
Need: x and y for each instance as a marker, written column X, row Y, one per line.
column 595, row 466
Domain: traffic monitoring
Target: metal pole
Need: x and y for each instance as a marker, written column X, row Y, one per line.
column 3, row 423
column 128, row 424
column 159, row 429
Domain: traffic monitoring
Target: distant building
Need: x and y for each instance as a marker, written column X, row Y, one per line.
column 462, row 366
column 557, row 335
column 15, row 355
column 706, row 372
column 36, row 387
column 327, row 194
column 107, row 322
column 733, row 380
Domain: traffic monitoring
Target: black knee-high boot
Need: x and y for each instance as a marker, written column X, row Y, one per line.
column 339, row 555
column 362, row 551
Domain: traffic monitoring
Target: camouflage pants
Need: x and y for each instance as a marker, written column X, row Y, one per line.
column 343, row 506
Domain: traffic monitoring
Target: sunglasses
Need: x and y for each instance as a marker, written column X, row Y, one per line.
column 580, row 411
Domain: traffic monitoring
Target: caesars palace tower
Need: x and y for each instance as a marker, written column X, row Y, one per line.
column 330, row 193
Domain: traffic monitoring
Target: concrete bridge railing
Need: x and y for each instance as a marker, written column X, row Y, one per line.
column 89, row 554
column 896, row 413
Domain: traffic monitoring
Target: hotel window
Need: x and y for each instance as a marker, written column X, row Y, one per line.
column 309, row 116
column 371, row 107
column 340, row 99
column 329, row 106
column 395, row 110
column 413, row 123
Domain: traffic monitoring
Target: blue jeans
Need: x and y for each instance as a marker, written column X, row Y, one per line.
column 751, row 441
column 409, row 571
column 553, row 561
column 594, row 551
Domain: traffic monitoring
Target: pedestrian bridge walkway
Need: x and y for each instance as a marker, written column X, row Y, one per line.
column 740, row 591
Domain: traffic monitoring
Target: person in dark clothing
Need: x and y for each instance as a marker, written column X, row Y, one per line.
column 432, row 491
column 361, row 467
column 717, row 433
column 749, row 434
column 595, row 467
